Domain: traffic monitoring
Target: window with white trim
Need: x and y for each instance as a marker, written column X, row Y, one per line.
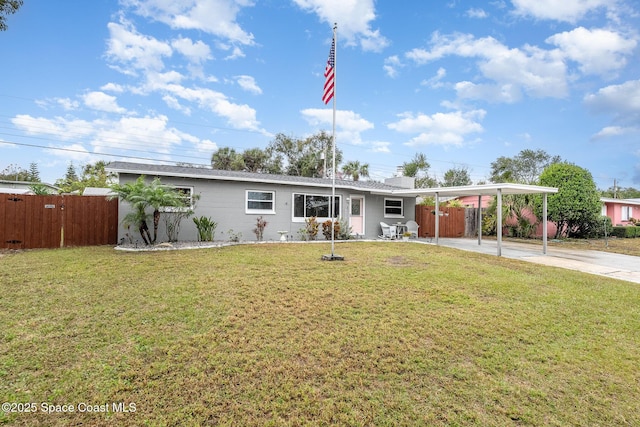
column 627, row 212
column 603, row 211
column 186, row 194
column 308, row 205
column 260, row 202
column 393, row 208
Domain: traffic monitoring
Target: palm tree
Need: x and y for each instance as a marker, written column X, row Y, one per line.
column 133, row 193
column 355, row 170
column 157, row 196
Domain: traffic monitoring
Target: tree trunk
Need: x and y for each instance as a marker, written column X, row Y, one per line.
column 156, row 222
column 144, row 229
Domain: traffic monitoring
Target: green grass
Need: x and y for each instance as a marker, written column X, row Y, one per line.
column 397, row 334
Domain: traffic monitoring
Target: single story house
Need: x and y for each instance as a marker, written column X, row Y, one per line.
column 621, row 211
column 24, row 187
column 235, row 200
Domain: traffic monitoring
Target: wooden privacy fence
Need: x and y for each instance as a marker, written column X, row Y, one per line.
column 452, row 221
column 30, row 221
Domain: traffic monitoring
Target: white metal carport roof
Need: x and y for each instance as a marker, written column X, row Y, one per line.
column 486, row 190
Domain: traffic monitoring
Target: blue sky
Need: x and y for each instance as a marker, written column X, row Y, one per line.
column 463, row 82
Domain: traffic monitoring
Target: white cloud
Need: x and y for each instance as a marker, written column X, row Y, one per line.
column 537, row 72
column 102, row 102
column 249, row 84
column 345, row 120
column 59, row 127
column 435, row 81
column 623, row 102
column 217, row 17
column 146, row 136
column 72, row 152
column 197, row 52
column 564, row 10
column 476, row 13
column 354, row 18
column 597, row 51
column 391, row 66
column 128, row 48
column 622, row 99
column 613, row 131
column 68, row 104
column 380, row 147
column 112, row 87
column 447, row 129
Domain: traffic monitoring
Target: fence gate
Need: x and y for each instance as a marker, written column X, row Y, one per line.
column 32, row 221
column 452, row 221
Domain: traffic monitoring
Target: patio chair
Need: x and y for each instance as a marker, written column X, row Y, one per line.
column 412, row 227
column 388, row 231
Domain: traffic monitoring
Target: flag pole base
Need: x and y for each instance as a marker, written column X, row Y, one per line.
column 332, row 257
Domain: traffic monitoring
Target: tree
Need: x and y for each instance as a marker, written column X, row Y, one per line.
column 303, row 157
column 157, row 195
column 226, row 158
column 95, row 175
column 575, row 208
column 524, row 168
column 354, row 170
column 133, row 193
column 34, row 173
column 141, row 196
column 418, row 168
column 621, row 193
column 14, row 173
column 456, row 177
column 8, row 7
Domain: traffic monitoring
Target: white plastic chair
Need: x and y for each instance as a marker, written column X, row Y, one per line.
column 412, row 227
column 388, row 231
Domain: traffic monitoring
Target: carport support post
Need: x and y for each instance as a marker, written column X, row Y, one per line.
column 437, row 214
column 479, row 224
column 499, row 225
column 544, row 223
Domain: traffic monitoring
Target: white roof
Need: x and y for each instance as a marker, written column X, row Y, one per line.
column 478, row 190
column 635, row 202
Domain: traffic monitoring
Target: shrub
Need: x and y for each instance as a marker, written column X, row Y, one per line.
column 628, row 231
column 206, row 228
column 326, row 229
column 259, row 230
column 312, row 226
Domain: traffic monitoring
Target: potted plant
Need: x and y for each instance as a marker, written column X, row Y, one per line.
column 406, row 235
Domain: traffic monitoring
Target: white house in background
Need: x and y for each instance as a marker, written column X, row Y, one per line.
column 24, row 187
column 235, row 200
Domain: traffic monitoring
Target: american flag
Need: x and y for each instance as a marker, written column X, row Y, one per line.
column 329, row 75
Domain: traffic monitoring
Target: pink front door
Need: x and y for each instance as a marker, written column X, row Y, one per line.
column 356, row 216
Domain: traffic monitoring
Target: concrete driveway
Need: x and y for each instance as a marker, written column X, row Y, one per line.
column 622, row 267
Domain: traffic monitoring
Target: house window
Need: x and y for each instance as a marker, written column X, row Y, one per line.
column 627, row 212
column 186, row 194
column 603, row 212
column 260, row 202
column 393, row 208
column 308, row 205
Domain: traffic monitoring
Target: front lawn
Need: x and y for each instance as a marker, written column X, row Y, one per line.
column 397, row 334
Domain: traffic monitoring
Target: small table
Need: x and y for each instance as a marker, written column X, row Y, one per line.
column 283, row 235
column 400, row 229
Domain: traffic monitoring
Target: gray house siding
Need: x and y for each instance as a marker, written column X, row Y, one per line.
column 225, row 201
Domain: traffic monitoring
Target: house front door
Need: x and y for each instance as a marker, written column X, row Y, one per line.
column 356, row 215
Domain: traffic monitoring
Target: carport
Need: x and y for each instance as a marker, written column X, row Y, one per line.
column 496, row 190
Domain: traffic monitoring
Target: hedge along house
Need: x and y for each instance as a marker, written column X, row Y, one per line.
column 235, row 200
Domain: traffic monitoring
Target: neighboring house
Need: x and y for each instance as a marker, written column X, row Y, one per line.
column 621, row 211
column 23, row 187
column 236, row 199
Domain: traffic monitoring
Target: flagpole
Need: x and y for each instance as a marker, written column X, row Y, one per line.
column 329, row 91
column 333, row 140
